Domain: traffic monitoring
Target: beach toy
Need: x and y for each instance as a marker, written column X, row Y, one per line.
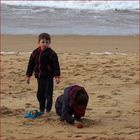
column 79, row 125
column 33, row 114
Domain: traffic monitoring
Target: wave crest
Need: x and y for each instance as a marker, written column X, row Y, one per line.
column 82, row 5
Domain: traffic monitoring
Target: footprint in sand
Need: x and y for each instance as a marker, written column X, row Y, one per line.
column 104, row 97
column 10, row 138
column 132, row 74
column 127, row 79
column 136, row 82
column 28, row 89
column 89, row 109
column 77, row 136
column 131, row 127
column 129, row 132
column 22, row 80
column 10, row 86
column 9, row 93
column 5, row 111
column 76, row 74
column 28, row 105
column 9, row 131
column 107, row 100
column 90, row 123
column 115, row 76
column 115, row 92
column 18, row 111
column 93, row 138
column 113, row 113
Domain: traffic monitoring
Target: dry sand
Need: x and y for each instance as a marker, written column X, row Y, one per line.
column 112, row 82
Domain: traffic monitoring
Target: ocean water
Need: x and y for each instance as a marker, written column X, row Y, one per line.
column 70, row 17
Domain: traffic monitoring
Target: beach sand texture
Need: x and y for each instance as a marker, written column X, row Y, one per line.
column 112, row 82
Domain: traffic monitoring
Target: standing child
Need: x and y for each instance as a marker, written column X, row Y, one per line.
column 44, row 63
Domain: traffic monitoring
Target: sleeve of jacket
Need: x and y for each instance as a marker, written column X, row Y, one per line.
column 65, row 108
column 55, row 64
column 31, row 65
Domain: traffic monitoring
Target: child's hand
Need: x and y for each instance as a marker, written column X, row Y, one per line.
column 27, row 79
column 78, row 124
column 57, row 79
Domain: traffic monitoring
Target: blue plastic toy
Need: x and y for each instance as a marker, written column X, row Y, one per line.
column 33, row 114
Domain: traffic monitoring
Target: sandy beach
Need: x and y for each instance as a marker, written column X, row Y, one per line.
column 111, row 80
column 73, row 43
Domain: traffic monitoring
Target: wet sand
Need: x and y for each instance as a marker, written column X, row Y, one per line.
column 111, row 81
column 73, row 44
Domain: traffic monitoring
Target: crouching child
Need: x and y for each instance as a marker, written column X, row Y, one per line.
column 71, row 105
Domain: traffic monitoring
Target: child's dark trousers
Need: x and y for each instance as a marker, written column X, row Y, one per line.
column 45, row 93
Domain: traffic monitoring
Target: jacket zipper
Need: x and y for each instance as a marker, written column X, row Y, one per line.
column 39, row 62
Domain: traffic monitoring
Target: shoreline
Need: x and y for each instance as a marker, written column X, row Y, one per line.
column 73, row 43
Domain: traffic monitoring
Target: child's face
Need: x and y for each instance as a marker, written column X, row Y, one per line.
column 43, row 43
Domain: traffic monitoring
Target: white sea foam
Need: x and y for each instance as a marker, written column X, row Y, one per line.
column 13, row 53
column 8, row 53
column 83, row 5
column 110, row 53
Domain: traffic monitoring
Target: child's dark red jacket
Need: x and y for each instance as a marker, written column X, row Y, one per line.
column 66, row 106
column 43, row 63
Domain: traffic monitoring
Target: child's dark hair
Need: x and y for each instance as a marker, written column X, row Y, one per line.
column 81, row 98
column 45, row 36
